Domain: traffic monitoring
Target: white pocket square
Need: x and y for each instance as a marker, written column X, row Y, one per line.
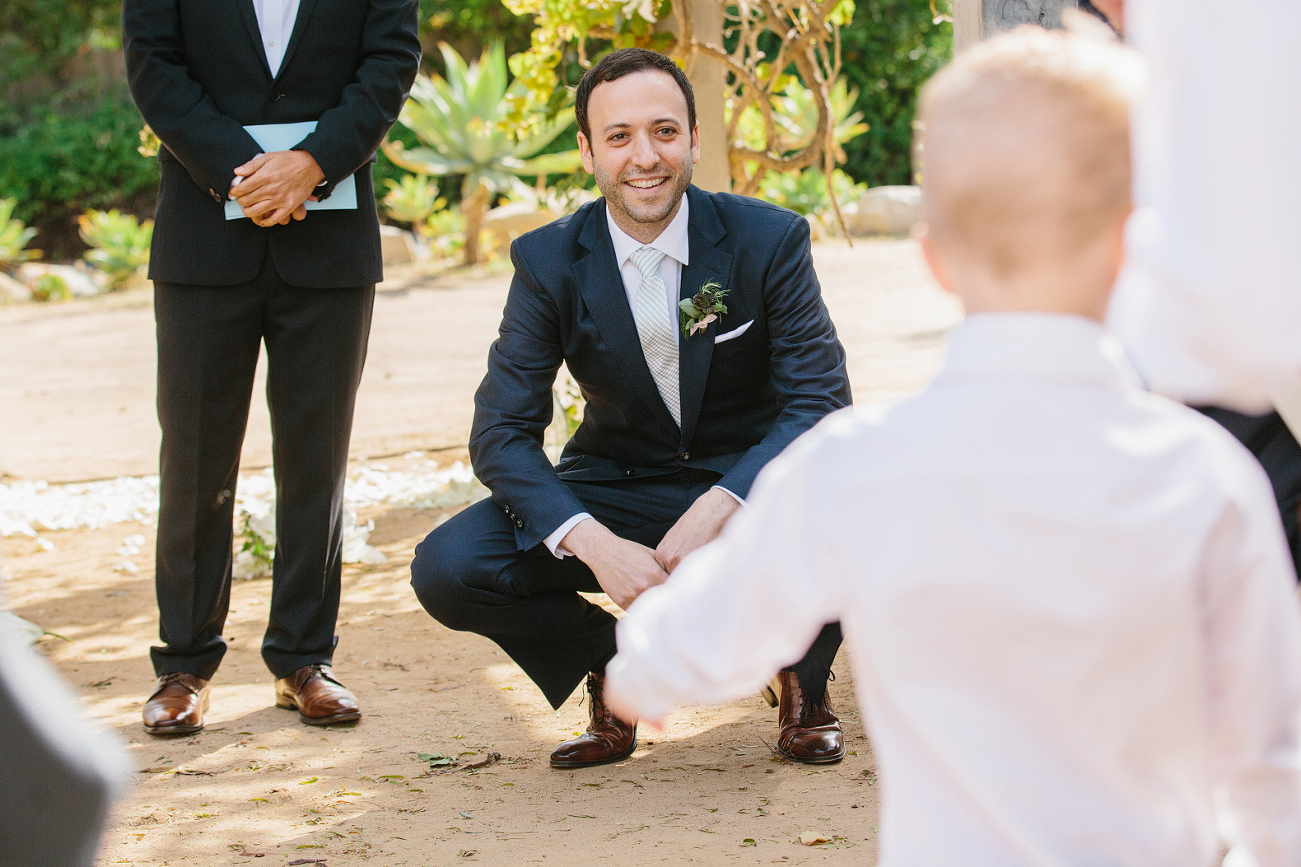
column 735, row 332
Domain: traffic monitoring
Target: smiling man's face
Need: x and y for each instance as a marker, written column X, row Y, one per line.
column 641, row 151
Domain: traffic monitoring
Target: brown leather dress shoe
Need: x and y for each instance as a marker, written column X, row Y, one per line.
column 809, row 732
column 608, row 738
column 177, row 705
column 320, row 699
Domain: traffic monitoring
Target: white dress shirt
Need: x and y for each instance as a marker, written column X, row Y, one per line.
column 275, row 20
column 1210, row 307
column 1069, row 605
column 673, row 243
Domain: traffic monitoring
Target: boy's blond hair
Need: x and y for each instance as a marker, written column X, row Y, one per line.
column 1026, row 147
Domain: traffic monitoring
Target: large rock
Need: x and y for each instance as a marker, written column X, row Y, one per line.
column 399, row 247
column 884, row 211
column 12, row 290
column 508, row 222
column 79, row 283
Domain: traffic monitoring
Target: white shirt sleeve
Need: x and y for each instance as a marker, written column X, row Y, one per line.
column 557, row 536
column 1253, row 628
column 731, row 494
column 736, row 610
column 1209, row 307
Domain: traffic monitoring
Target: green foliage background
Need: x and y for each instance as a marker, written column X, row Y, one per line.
column 68, row 127
column 888, row 52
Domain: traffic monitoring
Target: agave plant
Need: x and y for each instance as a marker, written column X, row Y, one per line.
column 461, row 123
column 14, row 235
column 413, row 199
column 119, row 245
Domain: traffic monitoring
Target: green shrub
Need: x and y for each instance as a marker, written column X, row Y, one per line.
column 14, row 235
column 51, row 287
column 412, row 199
column 119, row 245
column 889, row 50
column 806, row 192
column 60, row 160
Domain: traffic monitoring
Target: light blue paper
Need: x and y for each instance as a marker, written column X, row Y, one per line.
column 282, row 137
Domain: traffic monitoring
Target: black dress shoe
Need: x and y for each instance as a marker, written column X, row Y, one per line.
column 808, row 732
column 607, row 739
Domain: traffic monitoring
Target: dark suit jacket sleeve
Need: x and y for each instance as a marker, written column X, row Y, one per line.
column 348, row 135
column 208, row 143
column 513, row 407
column 808, row 362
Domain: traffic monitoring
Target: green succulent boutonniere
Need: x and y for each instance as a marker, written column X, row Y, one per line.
column 695, row 313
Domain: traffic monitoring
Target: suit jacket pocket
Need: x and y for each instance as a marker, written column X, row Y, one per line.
column 735, row 332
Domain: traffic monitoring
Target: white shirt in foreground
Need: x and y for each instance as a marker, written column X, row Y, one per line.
column 1069, row 606
column 1210, row 306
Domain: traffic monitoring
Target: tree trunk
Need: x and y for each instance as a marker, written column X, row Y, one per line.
column 473, row 207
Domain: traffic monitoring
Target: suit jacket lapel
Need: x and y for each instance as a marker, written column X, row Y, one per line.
column 254, row 32
column 305, row 8
column 598, row 280
column 708, row 262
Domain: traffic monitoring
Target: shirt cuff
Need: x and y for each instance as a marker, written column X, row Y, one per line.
column 729, row 493
column 553, row 541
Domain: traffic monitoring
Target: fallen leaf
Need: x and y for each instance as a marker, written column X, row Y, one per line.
column 809, row 838
column 436, row 760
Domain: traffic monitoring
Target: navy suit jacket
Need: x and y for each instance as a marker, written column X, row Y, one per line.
column 199, row 75
column 743, row 400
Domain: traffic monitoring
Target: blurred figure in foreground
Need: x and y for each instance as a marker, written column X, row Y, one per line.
column 1209, row 306
column 58, row 773
column 1068, row 601
column 1182, row 223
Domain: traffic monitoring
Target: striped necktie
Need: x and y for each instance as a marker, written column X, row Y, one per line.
column 659, row 343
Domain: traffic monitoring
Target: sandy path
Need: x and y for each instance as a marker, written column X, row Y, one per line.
column 257, row 787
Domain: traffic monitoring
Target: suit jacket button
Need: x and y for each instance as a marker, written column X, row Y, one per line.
column 627, row 472
column 686, row 456
column 519, row 523
column 216, row 197
column 276, row 97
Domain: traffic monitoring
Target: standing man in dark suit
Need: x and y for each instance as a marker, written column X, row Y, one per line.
column 301, row 282
column 683, row 409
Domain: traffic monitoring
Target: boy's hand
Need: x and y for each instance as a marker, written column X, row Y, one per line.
column 1114, row 10
column 620, row 708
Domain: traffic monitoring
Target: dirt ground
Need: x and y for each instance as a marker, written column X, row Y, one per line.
column 258, row 787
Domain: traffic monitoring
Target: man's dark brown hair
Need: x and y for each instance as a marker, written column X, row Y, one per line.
column 623, row 62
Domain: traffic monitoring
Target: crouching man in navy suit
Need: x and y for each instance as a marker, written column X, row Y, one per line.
column 683, row 408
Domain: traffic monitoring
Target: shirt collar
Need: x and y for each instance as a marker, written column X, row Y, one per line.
column 1038, row 346
column 672, row 242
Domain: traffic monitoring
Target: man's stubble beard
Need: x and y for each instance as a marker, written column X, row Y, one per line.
column 615, row 201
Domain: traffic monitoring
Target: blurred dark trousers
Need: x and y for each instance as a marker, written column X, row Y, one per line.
column 1274, row 445
column 208, row 343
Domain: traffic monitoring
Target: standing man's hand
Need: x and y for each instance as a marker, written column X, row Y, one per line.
column 271, row 188
column 624, row 569
column 697, row 527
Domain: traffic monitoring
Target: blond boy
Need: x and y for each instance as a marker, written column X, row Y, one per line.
column 1069, row 602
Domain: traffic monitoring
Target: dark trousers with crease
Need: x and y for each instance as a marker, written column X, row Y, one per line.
column 470, row 576
column 208, row 344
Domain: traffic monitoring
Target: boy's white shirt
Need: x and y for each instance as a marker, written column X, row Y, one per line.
column 1069, row 604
